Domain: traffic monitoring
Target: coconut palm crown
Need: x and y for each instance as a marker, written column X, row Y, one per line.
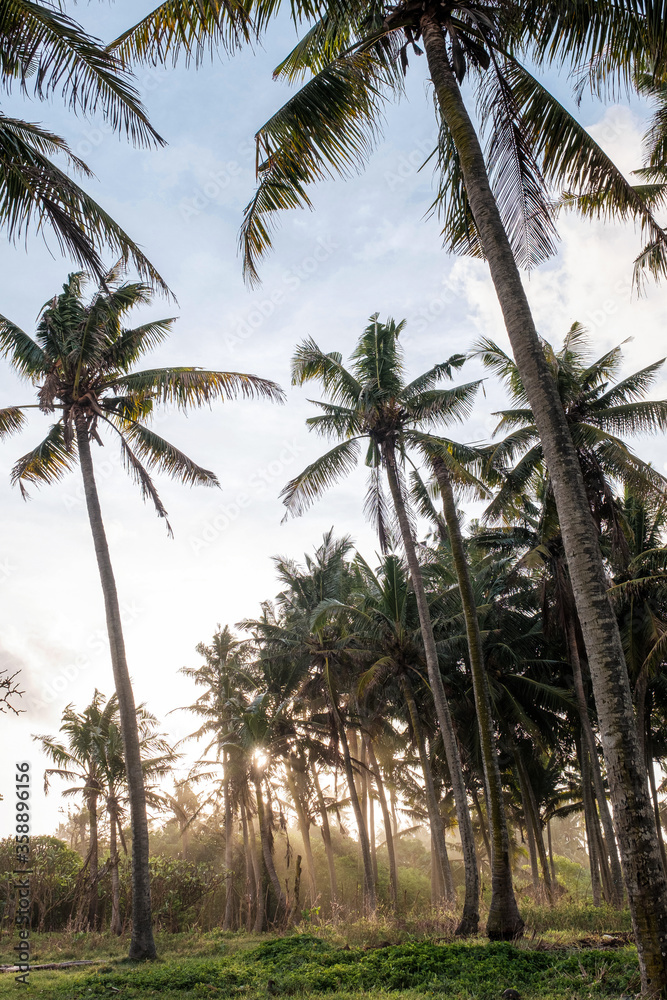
column 82, row 360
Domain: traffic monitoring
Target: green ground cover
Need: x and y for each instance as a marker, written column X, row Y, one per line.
column 305, row 965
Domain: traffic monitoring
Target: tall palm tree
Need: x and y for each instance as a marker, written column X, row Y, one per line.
column 495, row 206
column 44, row 53
column 372, row 401
column 81, row 360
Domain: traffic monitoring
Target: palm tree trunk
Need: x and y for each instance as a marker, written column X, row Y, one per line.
column 588, row 741
column 504, row 920
column 470, row 918
column 142, row 945
column 386, row 819
column 251, row 888
column 326, row 837
column 650, row 767
column 482, row 823
column 590, row 819
column 533, row 818
column 530, row 830
column 116, row 922
column 640, row 854
column 302, row 821
column 552, row 866
column 282, row 912
column 370, row 899
column 260, row 912
column 93, row 863
column 229, row 847
column 435, row 819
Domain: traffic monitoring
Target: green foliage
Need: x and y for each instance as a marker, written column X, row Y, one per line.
column 55, row 867
column 303, row 964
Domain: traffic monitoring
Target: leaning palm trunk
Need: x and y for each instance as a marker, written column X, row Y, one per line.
column 386, row 819
column 504, row 919
column 534, row 824
column 470, row 917
column 142, row 945
column 640, row 855
column 435, row 819
column 588, row 743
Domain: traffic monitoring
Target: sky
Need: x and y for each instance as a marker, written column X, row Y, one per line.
column 369, row 246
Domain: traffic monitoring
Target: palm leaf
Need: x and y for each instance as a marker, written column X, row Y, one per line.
column 194, row 386
column 24, row 355
column 162, row 456
column 47, row 463
column 12, row 420
column 309, row 485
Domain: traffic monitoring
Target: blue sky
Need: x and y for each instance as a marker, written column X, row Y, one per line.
column 366, row 248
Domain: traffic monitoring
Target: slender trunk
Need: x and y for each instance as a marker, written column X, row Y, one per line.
column 640, row 854
column 656, row 812
column 482, row 823
column 536, row 824
column 386, row 819
column 394, row 814
column 530, row 831
column 260, row 912
column 142, row 945
column 326, row 837
column 470, row 918
column 112, row 809
column 504, row 919
column 371, row 830
column 229, row 848
column 251, row 892
column 266, row 837
column 552, row 866
column 370, row 900
column 435, row 819
column 93, row 864
column 588, row 742
column 590, row 820
column 304, row 830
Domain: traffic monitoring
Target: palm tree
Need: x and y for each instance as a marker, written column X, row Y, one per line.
column 227, row 683
column 495, row 206
column 81, row 359
column 372, row 401
column 77, row 759
column 45, row 53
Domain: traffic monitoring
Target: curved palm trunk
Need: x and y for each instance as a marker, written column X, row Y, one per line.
column 229, row 849
column 304, row 830
column 267, row 852
column 142, row 945
column 386, row 819
column 504, row 919
column 435, row 819
column 588, row 743
column 326, row 837
column 470, row 918
column 640, row 855
column 530, row 831
column 116, row 922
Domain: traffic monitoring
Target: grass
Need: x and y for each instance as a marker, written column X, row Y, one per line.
column 307, row 965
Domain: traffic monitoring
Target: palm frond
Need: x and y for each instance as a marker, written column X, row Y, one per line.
column 328, row 128
column 24, row 355
column 34, row 191
column 12, row 420
column 324, row 472
column 47, row 463
column 194, row 386
column 162, row 456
